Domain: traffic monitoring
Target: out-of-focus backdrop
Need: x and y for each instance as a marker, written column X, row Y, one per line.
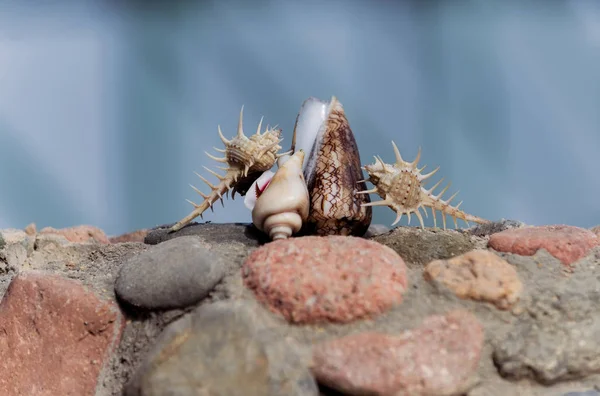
column 107, row 107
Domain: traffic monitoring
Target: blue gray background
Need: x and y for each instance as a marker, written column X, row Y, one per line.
column 106, row 107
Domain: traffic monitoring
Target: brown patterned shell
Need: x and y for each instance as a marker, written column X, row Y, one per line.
column 335, row 208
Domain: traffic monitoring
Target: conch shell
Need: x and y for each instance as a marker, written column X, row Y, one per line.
column 282, row 207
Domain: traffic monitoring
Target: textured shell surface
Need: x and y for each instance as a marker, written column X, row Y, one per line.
column 332, row 170
column 401, row 187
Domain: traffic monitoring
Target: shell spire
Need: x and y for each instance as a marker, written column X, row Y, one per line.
column 246, row 158
column 401, row 187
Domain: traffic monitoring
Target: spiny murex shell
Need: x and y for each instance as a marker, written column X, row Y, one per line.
column 401, row 187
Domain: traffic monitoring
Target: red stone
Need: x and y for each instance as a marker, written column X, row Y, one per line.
column 79, row 234
column 437, row 358
column 55, row 336
column 566, row 243
column 318, row 279
column 135, row 236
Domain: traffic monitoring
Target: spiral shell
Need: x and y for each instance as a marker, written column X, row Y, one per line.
column 282, row 207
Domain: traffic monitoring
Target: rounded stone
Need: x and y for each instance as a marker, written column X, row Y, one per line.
column 174, row 274
column 566, row 243
column 326, row 279
column 479, row 275
column 439, row 357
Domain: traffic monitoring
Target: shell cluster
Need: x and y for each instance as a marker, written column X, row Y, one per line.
column 319, row 186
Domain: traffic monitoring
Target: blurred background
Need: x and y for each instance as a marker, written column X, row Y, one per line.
column 106, row 107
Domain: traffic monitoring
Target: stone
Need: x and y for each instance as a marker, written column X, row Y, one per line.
column 478, row 275
column 376, row 229
column 437, row 358
column 15, row 246
column 223, row 348
column 493, row 227
column 55, row 336
column 245, row 234
column 314, row 279
column 567, row 243
column 557, row 337
column 31, row 229
column 175, row 274
column 135, row 236
column 79, row 234
column 418, row 246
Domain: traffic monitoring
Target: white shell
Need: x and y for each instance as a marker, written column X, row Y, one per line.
column 283, row 206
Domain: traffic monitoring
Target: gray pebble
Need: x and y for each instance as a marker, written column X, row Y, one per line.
column 174, row 274
column 223, row 349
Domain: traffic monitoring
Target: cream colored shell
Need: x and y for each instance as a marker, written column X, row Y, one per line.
column 283, row 206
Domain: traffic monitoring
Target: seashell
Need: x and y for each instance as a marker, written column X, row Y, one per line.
column 401, row 186
column 282, row 207
column 332, row 170
column 246, row 158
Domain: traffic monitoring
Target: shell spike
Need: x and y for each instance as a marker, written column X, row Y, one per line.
column 452, row 197
column 222, row 160
column 436, row 185
column 399, row 159
column 417, row 159
column 223, row 139
column 214, row 173
column 428, row 175
column 199, row 192
column 240, row 130
column 398, row 217
column 371, row 191
column 420, row 217
column 259, row 125
column 212, row 186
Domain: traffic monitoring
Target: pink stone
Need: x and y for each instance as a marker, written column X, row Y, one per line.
column 319, row 279
column 79, row 234
column 566, row 243
column 55, row 336
column 135, row 236
column 436, row 358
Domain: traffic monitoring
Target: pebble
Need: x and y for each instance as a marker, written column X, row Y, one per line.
column 173, row 274
column 479, row 275
column 55, row 336
column 566, row 243
column 223, row 349
column 417, row 246
column 326, row 279
column 436, row 358
column 135, row 236
column 79, row 234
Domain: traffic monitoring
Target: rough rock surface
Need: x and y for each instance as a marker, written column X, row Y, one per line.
column 314, row 279
column 55, row 336
column 223, row 349
column 554, row 323
column 174, row 274
column 436, row 358
column 479, row 275
column 566, row 243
